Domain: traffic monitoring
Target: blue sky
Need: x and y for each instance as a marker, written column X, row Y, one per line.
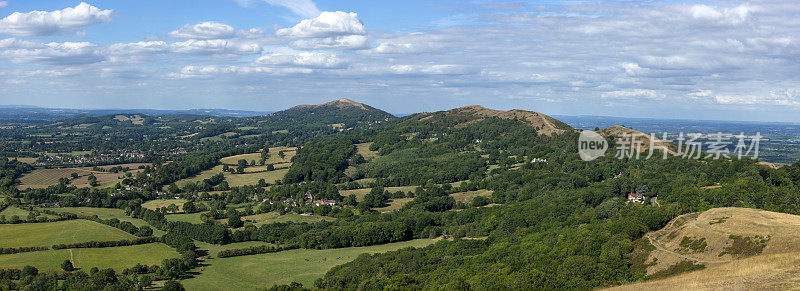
column 733, row 60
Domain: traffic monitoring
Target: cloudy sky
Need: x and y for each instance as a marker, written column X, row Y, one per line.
column 703, row 60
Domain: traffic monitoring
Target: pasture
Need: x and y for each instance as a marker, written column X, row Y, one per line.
column 50, row 233
column 158, row 203
column 106, row 213
column 42, row 178
column 394, row 204
column 272, row 217
column 235, row 180
column 191, row 218
column 273, row 158
column 21, row 213
column 264, row 270
column 363, row 150
column 117, row 258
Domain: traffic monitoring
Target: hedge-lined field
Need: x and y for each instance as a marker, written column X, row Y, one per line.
column 61, row 232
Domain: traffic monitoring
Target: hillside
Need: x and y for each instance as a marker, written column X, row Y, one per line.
column 339, row 114
column 741, row 248
column 464, row 116
column 642, row 138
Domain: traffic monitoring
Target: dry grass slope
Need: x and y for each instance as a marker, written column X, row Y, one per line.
column 741, row 248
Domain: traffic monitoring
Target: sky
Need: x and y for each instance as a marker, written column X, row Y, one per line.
column 727, row 60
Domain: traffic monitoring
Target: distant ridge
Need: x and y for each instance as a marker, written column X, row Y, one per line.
column 338, row 103
column 642, row 138
column 545, row 124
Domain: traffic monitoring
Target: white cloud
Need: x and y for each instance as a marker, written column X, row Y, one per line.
column 732, row 16
column 205, row 30
column 212, row 71
column 448, row 69
column 3, row 4
column 53, row 22
column 633, row 94
column 346, row 42
column 327, row 24
column 215, row 46
column 303, row 59
column 142, row 47
column 54, row 53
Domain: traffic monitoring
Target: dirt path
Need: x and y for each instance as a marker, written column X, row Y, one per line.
column 72, row 259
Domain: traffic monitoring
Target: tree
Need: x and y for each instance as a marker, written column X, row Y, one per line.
column 29, row 271
column 67, row 266
column 172, row 285
column 145, row 281
column 74, row 175
column 235, row 220
column 189, row 207
column 172, row 208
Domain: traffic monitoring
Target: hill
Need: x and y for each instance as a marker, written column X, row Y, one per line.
column 464, row 116
column 740, row 248
column 645, row 140
column 339, row 114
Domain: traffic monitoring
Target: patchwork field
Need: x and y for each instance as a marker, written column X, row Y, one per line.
column 202, row 176
column 394, row 204
column 274, row 157
column 252, row 178
column 117, row 258
column 106, row 213
column 156, row 204
column 363, row 149
column 21, row 213
column 272, row 217
column 42, row 178
column 191, row 218
column 50, row 233
column 264, row 270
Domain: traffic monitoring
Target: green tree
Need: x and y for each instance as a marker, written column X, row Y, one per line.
column 67, row 266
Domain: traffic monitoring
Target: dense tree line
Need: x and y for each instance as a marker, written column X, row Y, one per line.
column 107, row 244
column 251, row 251
column 323, row 160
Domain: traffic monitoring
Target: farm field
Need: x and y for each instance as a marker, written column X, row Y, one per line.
column 252, row 178
column 191, row 218
column 50, row 233
column 106, row 213
column 200, row 177
column 42, row 178
column 21, row 213
column 289, row 152
column 394, row 204
column 272, row 217
column 27, row 160
column 264, row 270
column 158, row 203
column 117, row 258
column 213, row 250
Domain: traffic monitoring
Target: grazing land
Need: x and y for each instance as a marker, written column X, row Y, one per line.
column 158, row 203
column 186, row 217
column 106, row 213
column 265, row 270
column 272, row 217
column 60, row 232
column 117, row 258
column 252, row 178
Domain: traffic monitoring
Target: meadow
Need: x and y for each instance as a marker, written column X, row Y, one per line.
column 466, row 197
column 272, row 217
column 158, row 203
column 117, row 258
column 106, row 213
column 265, row 270
column 60, row 232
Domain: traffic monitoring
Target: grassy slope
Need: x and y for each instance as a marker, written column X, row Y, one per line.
column 50, row 233
column 107, row 213
column 117, row 257
column 265, row 270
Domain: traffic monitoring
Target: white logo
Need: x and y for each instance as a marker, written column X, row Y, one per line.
column 591, row 145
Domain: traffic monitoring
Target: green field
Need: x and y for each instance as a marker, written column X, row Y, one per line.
column 360, row 193
column 264, row 270
column 158, row 203
column 394, row 204
column 191, row 218
column 107, row 213
column 21, row 213
column 214, row 249
column 117, row 258
column 202, row 176
column 50, row 233
column 272, row 217
column 252, row 178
